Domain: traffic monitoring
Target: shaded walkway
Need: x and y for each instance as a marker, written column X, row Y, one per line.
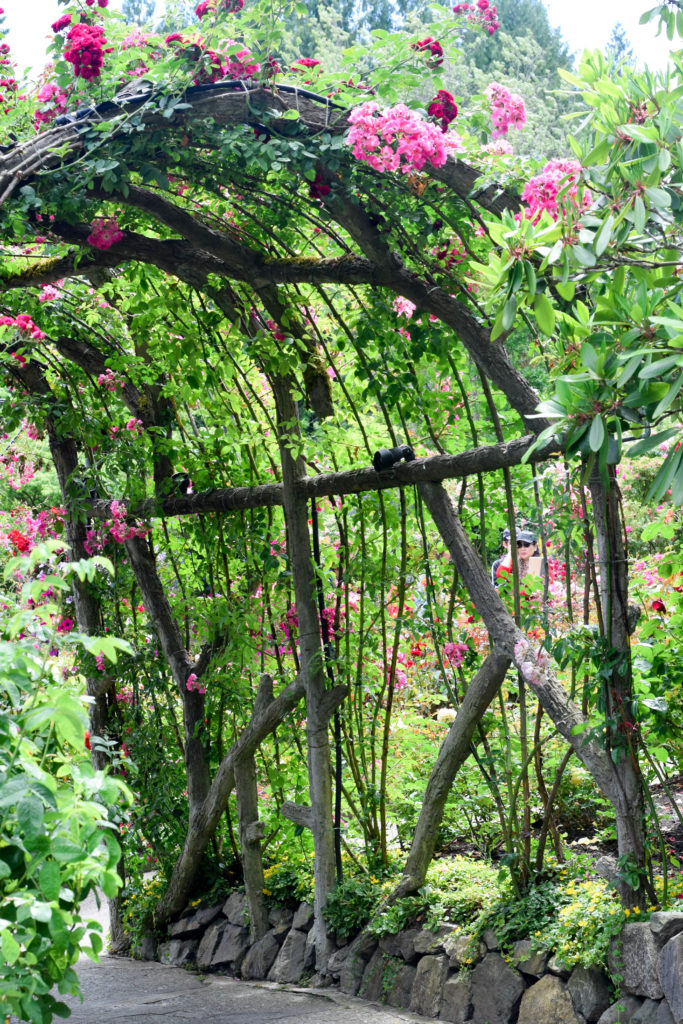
column 137, row 992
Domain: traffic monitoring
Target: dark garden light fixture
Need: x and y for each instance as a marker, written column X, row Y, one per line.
column 385, row 458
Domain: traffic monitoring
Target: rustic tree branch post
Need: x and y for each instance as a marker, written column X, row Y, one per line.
column 310, row 650
column 454, row 751
column 204, row 822
column 250, row 828
column 565, row 715
column 622, row 731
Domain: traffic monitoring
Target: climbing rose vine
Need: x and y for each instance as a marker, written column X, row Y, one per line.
column 398, row 139
column 86, row 50
column 507, row 109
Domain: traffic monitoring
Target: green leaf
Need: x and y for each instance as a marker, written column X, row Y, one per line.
column 13, row 790
column 639, row 214
column 656, row 703
column 49, row 880
column 584, row 256
column 545, row 314
column 646, row 444
column 509, row 310
column 659, row 367
column 603, row 236
column 30, row 816
column 597, row 434
column 41, row 911
column 66, row 851
column 589, row 357
column 10, row 947
column 530, row 277
column 566, row 290
column 659, row 753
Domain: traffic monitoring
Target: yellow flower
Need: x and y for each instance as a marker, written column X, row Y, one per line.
column 627, row 912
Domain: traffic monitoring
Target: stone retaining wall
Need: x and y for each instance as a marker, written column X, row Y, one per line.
column 425, row 971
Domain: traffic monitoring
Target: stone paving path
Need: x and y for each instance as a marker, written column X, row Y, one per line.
column 122, row 991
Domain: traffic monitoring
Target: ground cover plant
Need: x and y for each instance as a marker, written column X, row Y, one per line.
column 301, row 342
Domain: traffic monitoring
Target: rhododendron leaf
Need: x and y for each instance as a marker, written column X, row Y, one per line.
column 566, row 290
column 639, row 214
column 668, row 400
column 658, row 197
column 530, row 277
column 598, row 153
column 584, row 256
column 597, row 434
column 657, row 368
column 545, row 314
column 498, row 328
column 509, row 310
column 602, row 239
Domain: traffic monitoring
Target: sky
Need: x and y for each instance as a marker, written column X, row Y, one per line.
column 584, row 23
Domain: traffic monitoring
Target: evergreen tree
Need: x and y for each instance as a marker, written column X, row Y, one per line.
column 523, row 19
column 138, row 11
column 619, row 47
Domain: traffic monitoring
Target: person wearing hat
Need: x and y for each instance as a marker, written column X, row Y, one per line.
column 506, row 550
column 526, row 547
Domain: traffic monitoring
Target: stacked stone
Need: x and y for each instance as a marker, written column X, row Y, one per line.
column 437, row 974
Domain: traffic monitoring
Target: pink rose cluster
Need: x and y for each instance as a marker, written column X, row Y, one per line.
column 8, row 93
column 111, row 381
column 211, row 65
column 534, row 665
column 105, row 233
column 555, row 189
column 454, row 653
column 396, row 138
column 23, row 323
column 193, row 683
column 86, row 50
column 116, row 527
column 507, row 109
column 238, row 64
column 54, row 103
column 480, row 13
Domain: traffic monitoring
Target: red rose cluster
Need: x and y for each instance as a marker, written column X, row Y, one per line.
column 482, row 13
column 432, row 48
column 20, row 542
column 61, row 23
column 214, row 6
column 86, row 50
column 443, row 108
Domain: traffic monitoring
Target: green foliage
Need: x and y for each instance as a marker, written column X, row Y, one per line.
column 351, row 904
column 588, row 919
column 459, row 889
column 57, row 833
column 289, row 881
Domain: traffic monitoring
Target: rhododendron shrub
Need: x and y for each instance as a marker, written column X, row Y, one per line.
column 555, row 190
